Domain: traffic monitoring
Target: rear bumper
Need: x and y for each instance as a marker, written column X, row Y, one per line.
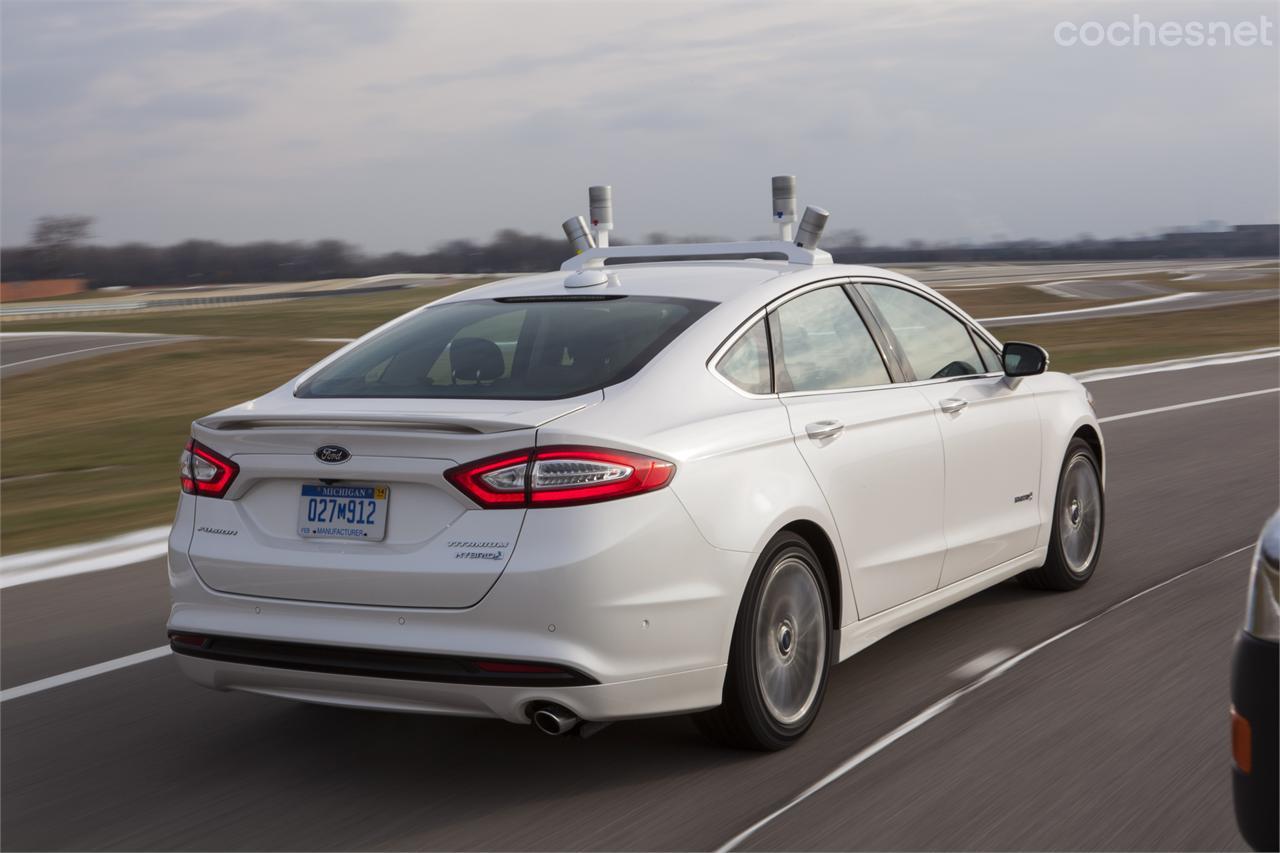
column 662, row 694
column 1254, row 686
column 627, row 593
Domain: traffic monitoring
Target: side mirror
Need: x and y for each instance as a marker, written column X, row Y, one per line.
column 1021, row 359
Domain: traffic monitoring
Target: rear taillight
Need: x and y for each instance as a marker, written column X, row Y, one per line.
column 558, row 476
column 203, row 471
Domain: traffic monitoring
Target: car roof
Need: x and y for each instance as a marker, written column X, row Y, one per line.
column 721, row 281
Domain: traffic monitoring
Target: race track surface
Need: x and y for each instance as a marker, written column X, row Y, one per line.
column 1112, row 736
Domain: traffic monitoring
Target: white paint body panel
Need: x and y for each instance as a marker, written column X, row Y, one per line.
column 992, row 458
column 883, row 478
column 643, row 592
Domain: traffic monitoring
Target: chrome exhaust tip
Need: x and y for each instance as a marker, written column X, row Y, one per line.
column 555, row 720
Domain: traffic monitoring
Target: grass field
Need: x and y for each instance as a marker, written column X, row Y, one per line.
column 1115, row 341
column 90, row 448
column 105, row 461
column 93, row 450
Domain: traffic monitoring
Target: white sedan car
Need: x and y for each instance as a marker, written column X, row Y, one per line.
column 628, row 490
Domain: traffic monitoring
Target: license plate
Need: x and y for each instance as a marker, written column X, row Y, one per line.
column 343, row 512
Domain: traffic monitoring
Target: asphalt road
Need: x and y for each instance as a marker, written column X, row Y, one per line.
column 1114, row 736
column 21, row 352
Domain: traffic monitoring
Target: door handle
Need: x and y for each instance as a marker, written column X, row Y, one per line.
column 819, row 430
column 952, row 405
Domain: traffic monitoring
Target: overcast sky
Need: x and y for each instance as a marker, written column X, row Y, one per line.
column 397, row 126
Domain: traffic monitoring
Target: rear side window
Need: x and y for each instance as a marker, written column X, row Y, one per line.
column 823, row 345
column 540, row 348
column 746, row 364
column 935, row 342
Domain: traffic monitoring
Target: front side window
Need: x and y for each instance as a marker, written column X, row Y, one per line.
column 520, row 348
column 746, row 364
column 823, row 345
column 990, row 355
column 935, row 343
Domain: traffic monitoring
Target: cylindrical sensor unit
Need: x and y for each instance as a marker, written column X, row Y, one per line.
column 811, row 226
column 579, row 235
column 784, row 198
column 601, row 206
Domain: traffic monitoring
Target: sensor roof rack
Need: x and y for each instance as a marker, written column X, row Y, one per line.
column 591, row 243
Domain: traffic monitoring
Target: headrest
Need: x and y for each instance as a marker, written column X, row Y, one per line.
column 593, row 348
column 475, row 360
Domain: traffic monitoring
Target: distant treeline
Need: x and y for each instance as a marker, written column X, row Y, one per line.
column 60, row 252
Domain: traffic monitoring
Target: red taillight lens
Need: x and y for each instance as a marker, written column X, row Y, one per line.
column 559, row 476
column 204, row 471
column 495, row 483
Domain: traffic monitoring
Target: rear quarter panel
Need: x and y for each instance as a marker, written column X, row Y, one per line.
column 739, row 474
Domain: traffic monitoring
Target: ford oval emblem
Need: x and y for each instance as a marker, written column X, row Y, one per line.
column 332, row 454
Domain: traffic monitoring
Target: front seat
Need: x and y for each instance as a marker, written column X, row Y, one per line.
column 475, row 360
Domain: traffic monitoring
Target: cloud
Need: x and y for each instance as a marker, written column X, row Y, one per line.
column 400, row 125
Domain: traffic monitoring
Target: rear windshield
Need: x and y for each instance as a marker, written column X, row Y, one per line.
column 535, row 348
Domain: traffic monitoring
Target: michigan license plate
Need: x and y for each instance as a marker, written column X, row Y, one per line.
column 343, row 512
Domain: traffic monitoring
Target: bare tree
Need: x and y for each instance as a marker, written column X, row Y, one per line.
column 61, row 232
column 56, row 238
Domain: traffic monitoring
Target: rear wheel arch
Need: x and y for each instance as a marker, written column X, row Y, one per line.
column 747, row 717
column 817, row 539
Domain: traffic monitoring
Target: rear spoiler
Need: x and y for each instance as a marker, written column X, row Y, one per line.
column 439, row 422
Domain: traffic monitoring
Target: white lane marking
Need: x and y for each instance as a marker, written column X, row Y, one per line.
column 97, row 556
column 4, row 336
column 17, row 478
column 81, row 674
column 1052, row 287
column 859, row 758
column 1189, row 405
column 1113, row 306
column 1028, row 274
column 1104, row 373
column 982, row 663
column 148, row 342
column 1189, row 277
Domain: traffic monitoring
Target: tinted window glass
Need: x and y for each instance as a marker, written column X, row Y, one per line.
column 747, row 364
column 535, row 349
column 990, row 355
column 824, row 345
column 936, row 344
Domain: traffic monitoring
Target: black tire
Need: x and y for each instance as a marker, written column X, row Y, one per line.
column 1061, row 570
column 744, row 718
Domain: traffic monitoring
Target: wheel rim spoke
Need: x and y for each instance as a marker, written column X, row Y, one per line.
column 1079, row 515
column 790, row 640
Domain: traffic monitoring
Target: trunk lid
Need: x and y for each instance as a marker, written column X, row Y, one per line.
column 439, row 551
